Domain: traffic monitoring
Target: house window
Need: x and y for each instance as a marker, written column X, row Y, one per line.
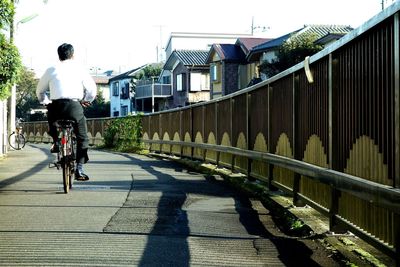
column 125, row 91
column 115, row 87
column 180, row 82
column 214, row 73
column 124, row 110
column 199, row 81
column 166, row 79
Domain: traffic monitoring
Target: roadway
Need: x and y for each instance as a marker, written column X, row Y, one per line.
column 136, row 211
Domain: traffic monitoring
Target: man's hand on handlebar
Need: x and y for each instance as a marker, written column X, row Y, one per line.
column 85, row 104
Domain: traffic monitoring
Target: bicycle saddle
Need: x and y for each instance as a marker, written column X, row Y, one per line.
column 64, row 123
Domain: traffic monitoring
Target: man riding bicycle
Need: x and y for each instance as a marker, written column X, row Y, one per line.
column 71, row 88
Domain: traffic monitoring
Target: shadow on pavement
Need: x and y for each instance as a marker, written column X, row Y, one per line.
column 167, row 242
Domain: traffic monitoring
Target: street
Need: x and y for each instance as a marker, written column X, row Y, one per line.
column 137, row 211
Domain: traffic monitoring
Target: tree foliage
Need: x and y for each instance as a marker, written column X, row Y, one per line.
column 150, row 71
column 26, row 95
column 293, row 51
column 7, row 12
column 99, row 107
column 10, row 61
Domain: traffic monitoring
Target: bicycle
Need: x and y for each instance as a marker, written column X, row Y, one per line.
column 16, row 139
column 67, row 150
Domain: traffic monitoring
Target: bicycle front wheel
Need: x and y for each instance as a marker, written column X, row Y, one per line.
column 66, row 174
column 16, row 141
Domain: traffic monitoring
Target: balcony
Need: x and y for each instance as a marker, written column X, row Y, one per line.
column 150, row 89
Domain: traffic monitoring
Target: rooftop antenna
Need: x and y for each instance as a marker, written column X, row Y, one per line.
column 263, row 28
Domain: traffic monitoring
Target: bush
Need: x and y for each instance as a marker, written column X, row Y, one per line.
column 124, row 134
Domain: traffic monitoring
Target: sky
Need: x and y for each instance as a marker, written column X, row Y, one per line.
column 125, row 34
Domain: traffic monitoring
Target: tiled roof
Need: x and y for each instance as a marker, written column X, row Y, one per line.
column 329, row 37
column 248, row 43
column 227, row 52
column 192, row 57
column 187, row 58
column 101, row 79
column 126, row 74
column 318, row 30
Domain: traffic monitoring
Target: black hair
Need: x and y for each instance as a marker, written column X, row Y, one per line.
column 65, row 51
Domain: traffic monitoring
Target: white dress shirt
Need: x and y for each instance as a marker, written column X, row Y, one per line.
column 66, row 80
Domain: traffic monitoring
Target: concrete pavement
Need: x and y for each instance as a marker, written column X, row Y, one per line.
column 135, row 211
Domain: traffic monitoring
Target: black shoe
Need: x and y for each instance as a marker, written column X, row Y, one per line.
column 80, row 176
column 55, row 148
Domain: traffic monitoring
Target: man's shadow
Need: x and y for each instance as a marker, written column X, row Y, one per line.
column 167, row 242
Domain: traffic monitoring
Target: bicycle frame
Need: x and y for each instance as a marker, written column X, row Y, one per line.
column 66, row 154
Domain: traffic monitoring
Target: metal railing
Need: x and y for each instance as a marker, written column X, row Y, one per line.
column 153, row 90
column 333, row 143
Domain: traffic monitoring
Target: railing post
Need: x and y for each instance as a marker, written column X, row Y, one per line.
column 335, row 194
column 396, row 180
column 216, row 132
column 204, row 131
column 191, row 132
column 297, row 177
column 152, row 98
column 233, row 157
column 271, row 187
column 248, row 132
column 181, row 130
column 160, row 130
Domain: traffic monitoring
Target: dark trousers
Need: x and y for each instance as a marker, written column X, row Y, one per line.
column 65, row 109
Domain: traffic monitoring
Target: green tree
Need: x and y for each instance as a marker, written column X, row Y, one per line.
column 26, row 94
column 149, row 72
column 10, row 61
column 99, row 108
column 293, row 51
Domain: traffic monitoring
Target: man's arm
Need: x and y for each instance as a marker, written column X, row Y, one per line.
column 43, row 87
column 90, row 88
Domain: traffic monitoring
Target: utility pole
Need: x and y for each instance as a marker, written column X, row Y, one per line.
column 159, row 47
column 11, row 101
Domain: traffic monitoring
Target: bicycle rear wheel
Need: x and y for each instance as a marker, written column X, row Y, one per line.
column 66, row 174
column 71, row 173
column 19, row 141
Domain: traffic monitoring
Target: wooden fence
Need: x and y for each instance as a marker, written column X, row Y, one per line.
column 333, row 143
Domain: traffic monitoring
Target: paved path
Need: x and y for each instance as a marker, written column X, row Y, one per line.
column 135, row 211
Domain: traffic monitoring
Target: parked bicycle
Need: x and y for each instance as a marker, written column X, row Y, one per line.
column 66, row 154
column 16, row 139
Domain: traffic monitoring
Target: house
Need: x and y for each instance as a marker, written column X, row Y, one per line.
column 190, row 77
column 121, row 98
column 268, row 50
column 229, row 68
column 194, row 41
column 150, row 94
column 102, row 86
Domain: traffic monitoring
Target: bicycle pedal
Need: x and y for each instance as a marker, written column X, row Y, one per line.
column 54, row 165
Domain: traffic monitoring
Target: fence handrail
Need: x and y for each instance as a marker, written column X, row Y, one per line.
column 389, row 197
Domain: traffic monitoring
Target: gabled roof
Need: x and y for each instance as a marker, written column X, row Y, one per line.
column 248, row 43
column 332, row 36
column 318, row 30
column 187, row 58
column 127, row 74
column 101, row 79
column 226, row 52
